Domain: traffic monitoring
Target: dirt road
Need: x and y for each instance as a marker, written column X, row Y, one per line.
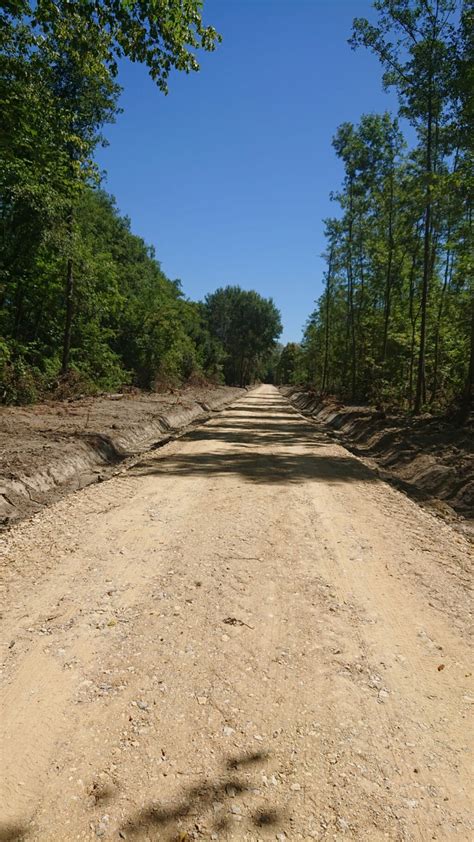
column 246, row 637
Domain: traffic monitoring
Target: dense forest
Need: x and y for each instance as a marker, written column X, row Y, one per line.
column 84, row 303
column 395, row 323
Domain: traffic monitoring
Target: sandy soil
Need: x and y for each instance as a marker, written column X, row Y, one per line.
column 247, row 636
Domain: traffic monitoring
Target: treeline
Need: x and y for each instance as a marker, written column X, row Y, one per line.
column 130, row 325
column 395, row 323
column 84, row 304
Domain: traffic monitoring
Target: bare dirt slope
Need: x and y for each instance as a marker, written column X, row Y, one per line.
column 247, row 636
column 49, row 449
column 429, row 457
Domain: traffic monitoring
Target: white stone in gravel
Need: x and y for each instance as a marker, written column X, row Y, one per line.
column 342, row 824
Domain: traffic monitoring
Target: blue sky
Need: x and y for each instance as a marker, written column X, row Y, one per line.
column 229, row 175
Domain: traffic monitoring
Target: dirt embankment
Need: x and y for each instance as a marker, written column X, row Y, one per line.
column 49, row 449
column 429, row 458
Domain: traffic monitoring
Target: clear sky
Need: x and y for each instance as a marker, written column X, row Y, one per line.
column 229, row 175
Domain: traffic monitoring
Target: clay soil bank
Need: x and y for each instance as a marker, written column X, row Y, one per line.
column 430, row 458
column 50, row 449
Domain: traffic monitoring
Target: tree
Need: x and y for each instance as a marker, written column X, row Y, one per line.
column 394, row 322
column 414, row 41
column 161, row 35
column 60, row 61
column 290, row 365
column 247, row 327
column 132, row 324
column 368, row 318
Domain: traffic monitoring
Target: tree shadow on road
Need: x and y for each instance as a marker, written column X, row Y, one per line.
column 12, row 832
column 240, row 433
column 247, row 454
column 254, row 467
column 263, row 441
column 180, row 819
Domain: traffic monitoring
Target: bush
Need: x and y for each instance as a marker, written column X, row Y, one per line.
column 19, row 383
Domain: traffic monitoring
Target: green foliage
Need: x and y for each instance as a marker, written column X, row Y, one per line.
column 83, row 303
column 161, row 35
column 17, row 379
column 247, row 327
column 394, row 322
column 131, row 323
column 291, row 365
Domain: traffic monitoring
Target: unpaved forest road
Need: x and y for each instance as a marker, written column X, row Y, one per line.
column 247, row 636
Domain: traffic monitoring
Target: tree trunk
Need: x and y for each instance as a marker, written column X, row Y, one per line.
column 421, row 380
column 388, row 280
column 468, row 395
column 447, row 275
column 350, row 279
column 20, row 292
column 38, row 320
column 241, row 369
column 413, row 321
column 69, row 297
column 327, row 326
